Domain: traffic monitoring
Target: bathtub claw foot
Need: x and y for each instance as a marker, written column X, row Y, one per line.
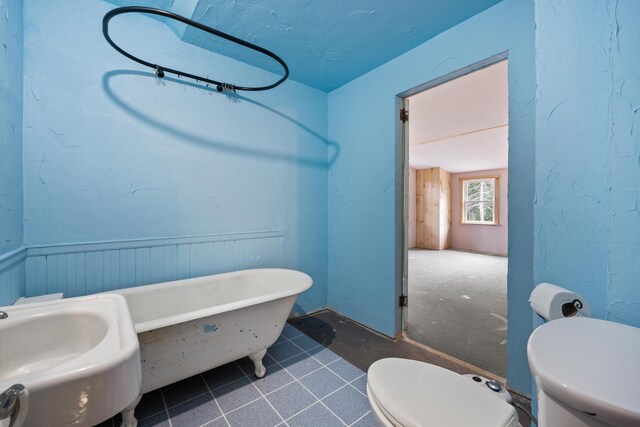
column 128, row 417
column 256, row 358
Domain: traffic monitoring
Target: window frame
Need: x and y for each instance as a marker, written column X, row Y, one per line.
column 496, row 199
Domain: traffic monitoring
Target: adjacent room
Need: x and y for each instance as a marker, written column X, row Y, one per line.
column 458, row 217
column 275, row 213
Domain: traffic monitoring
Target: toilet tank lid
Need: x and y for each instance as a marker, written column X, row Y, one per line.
column 420, row 394
column 591, row 365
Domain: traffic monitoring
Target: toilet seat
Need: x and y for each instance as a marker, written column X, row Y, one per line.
column 409, row 393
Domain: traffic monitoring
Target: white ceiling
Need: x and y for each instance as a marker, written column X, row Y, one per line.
column 462, row 125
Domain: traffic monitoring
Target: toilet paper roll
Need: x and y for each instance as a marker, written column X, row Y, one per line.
column 553, row 302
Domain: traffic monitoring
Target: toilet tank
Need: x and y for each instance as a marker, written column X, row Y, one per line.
column 586, row 372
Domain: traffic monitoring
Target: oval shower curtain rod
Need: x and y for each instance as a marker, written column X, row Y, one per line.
column 160, row 70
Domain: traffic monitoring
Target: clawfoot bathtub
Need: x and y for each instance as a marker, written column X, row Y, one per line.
column 189, row 326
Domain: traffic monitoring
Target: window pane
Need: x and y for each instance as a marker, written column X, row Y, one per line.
column 473, row 211
column 472, row 190
column 478, row 197
column 488, row 188
column 487, row 210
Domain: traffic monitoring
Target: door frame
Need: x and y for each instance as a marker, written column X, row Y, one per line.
column 402, row 143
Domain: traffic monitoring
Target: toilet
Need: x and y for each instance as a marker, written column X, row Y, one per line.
column 408, row 393
column 587, row 373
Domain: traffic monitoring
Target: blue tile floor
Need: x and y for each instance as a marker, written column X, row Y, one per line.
column 306, row 385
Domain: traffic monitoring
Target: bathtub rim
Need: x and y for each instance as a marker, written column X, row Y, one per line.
column 302, row 283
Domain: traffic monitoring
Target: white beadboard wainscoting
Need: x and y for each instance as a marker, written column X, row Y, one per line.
column 87, row 268
column 12, row 276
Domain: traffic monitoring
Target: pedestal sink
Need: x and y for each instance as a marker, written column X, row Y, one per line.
column 78, row 358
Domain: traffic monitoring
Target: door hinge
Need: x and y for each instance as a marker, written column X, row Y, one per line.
column 404, row 115
column 403, row 301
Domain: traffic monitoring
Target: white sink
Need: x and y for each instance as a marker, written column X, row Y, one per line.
column 79, row 359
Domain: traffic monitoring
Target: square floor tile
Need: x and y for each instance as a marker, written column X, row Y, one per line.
column 223, row 375
column 280, row 339
column 158, row 420
column 345, row 370
column 283, row 351
column 323, row 355
column 360, row 384
column 322, row 382
column 194, row 412
column 218, row 422
column 150, row 404
column 291, row 399
column 290, row 332
column 348, row 404
column 305, row 342
column 181, row 391
column 366, row 421
column 236, row 394
column 315, row 416
column 300, row 365
column 256, row 414
column 276, row 377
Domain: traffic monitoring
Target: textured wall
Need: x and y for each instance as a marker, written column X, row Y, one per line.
column 588, row 146
column 12, row 278
column 490, row 239
column 365, row 186
column 111, row 153
column 623, row 276
column 10, row 125
column 587, row 222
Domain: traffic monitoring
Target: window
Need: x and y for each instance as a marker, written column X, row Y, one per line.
column 479, row 200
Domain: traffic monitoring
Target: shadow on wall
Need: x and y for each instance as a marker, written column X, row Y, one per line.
column 311, row 161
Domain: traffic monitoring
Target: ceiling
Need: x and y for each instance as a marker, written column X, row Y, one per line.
column 462, row 125
column 326, row 43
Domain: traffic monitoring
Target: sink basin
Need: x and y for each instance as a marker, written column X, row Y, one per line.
column 79, row 359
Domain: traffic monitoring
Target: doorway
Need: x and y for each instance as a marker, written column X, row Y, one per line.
column 456, row 220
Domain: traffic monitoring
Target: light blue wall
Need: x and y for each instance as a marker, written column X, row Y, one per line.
column 587, row 219
column 365, row 188
column 588, row 151
column 12, row 282
column 112, row 154
column 11, row 125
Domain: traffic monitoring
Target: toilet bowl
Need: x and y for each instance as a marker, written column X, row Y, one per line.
column 587, row 373
column 408, row 393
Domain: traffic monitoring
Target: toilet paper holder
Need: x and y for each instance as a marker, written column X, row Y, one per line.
column 570, row 309
column 551, row 302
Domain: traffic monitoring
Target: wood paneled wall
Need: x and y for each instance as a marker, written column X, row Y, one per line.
column 433, row 209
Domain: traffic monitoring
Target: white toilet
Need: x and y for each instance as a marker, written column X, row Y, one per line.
column 408, row 393
column 587, row 373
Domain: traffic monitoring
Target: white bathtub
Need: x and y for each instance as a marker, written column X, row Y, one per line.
column 190, row 326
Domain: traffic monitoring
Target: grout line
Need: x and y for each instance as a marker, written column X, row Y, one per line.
column 216, row 402
column 243, row 405
column 215, row 419
column 302, row 410
column 335, row 373
column 321, row 402
column 178, row 404
column 357, row 389
column 166, row 408
column 264, row 397
column 356, row 421
column 305, row 352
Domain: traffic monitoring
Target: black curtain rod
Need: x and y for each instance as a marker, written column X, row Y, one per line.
column 160, row 70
